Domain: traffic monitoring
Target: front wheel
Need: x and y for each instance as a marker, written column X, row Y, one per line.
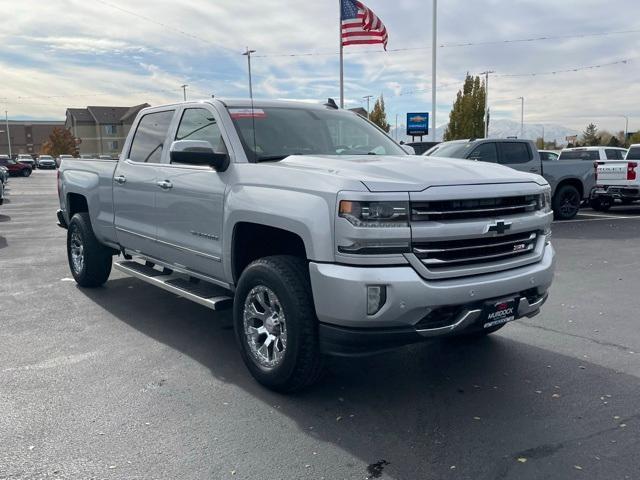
column 26, row 172
column 601, row 204
column 275, row 323
column 89, row 260
column 566, row 202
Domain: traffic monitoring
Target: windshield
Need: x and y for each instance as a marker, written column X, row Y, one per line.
column 281, row 131
column 25, row 157
column 579, row 155
column 450, row 149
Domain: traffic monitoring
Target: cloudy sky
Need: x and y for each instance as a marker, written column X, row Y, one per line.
column 62, row 53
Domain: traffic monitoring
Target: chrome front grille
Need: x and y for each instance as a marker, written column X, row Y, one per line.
column 440, row 210
column 458, row 253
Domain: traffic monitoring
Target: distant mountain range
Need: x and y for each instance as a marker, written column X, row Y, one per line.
column 503, row 128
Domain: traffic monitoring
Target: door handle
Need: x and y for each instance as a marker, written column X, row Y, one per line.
column 120, row 179
column 165, row 184
column 533, row 170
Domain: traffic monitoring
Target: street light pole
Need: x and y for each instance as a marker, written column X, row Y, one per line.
column 368, row 99
column 6, row 121
column 486, row 101
column 184, row 91
column 626, row 129
column 434, row 50
column 248, row 53
column 521, row 117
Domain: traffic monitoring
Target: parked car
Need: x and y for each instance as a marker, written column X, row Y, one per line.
column 15, row 168
column 548, row 155
column 46, row 161
column 421, row 147
column 592, row 154
column 26, row 159
column 315, row 225
column 1, row 193
column 617, row 179
column 88, row 155
column 571, row 182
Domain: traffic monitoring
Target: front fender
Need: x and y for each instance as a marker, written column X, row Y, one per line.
column 306, row 214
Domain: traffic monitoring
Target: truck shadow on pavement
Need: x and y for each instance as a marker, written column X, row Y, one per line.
column 487, row 409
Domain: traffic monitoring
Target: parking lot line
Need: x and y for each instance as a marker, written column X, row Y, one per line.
column 600, row 218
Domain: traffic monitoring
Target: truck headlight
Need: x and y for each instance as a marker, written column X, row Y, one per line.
column 546, row 200
column 375, row 214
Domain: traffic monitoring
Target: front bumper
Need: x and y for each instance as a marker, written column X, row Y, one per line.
column 340, row 297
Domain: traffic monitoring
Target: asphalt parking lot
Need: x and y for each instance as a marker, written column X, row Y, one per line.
column 130, row 382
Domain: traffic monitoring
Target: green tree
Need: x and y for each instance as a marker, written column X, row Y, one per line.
column 540, row 143
column 635, row 138
column 379, row 116
column 590, row 137
column 466, row 119
column 60, row 142
column 614, row 142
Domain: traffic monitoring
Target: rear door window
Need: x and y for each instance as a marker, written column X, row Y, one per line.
column 485, row 152
column 148, row 141
column 514, row 152
column 634, row 153
column 614, row 154
column 580, row 155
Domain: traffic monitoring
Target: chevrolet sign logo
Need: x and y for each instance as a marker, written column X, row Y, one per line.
column 500, row 227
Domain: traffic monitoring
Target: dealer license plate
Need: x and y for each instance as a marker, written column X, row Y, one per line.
column 500, row 312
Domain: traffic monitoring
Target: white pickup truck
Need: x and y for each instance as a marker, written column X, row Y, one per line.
column 617, row 180
column 319, row 229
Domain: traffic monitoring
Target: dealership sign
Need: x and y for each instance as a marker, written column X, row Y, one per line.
column 417, row 124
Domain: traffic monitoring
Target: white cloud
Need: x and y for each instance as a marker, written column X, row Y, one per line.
column 73, row 47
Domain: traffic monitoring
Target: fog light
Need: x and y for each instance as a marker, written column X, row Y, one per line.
column 376, row 297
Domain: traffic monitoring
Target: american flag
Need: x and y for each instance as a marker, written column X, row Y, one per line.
column 360, row 26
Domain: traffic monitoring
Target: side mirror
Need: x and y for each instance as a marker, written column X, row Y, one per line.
column 409, row 149
column 198, row 152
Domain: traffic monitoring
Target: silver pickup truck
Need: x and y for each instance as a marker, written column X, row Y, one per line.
column 571, row 180
column 318, row 229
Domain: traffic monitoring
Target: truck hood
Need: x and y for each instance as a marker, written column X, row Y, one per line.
column 384, row 173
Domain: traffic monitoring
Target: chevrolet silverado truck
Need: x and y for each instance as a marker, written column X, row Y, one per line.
column 318, row 229
column 616, row 179
column 571, row 180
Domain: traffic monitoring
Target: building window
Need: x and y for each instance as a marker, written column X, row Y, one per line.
column 111, row 129
column 113, row 145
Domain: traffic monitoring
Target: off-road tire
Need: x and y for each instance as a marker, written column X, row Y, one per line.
column 288, row 278
column 600, row 204
column 563, row 210
column 97, row 262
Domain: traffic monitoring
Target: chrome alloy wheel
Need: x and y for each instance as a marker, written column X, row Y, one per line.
column 77, row 252
column 265, row 327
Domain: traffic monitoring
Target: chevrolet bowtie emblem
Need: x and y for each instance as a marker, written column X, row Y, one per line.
column 500, row 227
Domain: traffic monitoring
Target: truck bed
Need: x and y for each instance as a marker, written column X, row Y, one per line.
column 93, row 179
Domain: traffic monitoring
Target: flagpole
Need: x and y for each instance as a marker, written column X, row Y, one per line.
column 341, row 55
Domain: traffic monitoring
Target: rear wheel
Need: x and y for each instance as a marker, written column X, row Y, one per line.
column 89, row 260
column 601, row 204
column 275, row 323
column 566, row 202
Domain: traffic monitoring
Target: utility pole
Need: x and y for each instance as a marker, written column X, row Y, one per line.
column 434, row 50
column 6, row 121
column 396, row 127
column 368, row 99
column 248, row 53
column 486, row 101
column 626, row 129
column 184, row 91
column 521, row 116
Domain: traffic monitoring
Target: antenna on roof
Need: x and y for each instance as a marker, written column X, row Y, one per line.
column 331, row 103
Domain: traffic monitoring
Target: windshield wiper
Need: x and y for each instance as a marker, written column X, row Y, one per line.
column 271, row 158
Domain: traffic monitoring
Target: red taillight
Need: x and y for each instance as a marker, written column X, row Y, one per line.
column 631, row 170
